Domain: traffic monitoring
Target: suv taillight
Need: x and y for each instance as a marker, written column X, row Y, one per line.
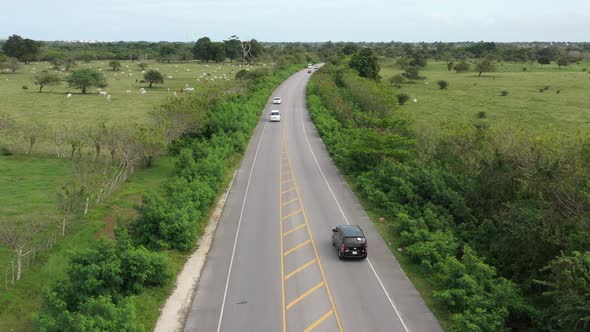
column 342, row 247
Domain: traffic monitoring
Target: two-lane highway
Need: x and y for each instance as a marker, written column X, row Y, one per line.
column 272, row 266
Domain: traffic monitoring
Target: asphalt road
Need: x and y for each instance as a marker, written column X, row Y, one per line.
column 272, row 266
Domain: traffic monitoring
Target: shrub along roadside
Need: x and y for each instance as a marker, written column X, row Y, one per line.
column 426, row 202
column 171, row 218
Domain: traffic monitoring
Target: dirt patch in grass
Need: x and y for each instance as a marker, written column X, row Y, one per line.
column 117, row 216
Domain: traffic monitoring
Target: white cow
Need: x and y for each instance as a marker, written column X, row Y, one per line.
column 69, row 95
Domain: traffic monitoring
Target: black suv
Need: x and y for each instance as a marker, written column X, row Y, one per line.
column 349, row 241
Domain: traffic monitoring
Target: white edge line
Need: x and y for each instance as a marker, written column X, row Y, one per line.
column 231, row 262
column 346, row 219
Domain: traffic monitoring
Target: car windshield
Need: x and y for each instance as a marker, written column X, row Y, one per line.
column 354, row 240
column 274, row 113
column 277, row 98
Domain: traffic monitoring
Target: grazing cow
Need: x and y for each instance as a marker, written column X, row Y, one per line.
column 108, row 98
column 143, row 92
column 69, row 95
column 102, row 93
column 128, row 92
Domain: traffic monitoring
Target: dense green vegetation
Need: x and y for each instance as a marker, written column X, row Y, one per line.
column 99, row 290
column 491, row 220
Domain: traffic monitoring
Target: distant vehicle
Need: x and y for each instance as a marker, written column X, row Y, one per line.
column 315, row 67
column 309, row 71
column 274, row 115
column 277, row 100
column 349, row 241
column 309, row 66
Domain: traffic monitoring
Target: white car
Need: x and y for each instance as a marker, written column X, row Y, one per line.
column 309, row 66
column 277, row 100
column 274, row 115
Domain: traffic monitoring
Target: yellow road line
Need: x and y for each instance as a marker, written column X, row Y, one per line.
column 299, row 269
column 292, row 214
column 293, row 230
column 287, row 181
column 287, row 191
column 316, row 250
column 296, row 247
column 282, row 247
column 291, row 201
column 304, row 295
column 319, row 321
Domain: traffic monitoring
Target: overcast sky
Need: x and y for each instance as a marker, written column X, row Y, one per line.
column 298, row 20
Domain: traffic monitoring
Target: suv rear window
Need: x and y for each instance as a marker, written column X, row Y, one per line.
column 274, row 113
column 354, row 240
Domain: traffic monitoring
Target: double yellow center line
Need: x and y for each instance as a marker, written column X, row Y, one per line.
column 286, row 169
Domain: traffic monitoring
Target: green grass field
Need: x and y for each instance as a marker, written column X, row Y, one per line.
column 524, row 108
column 25, row 297
column 51, row 106
column 29, row 183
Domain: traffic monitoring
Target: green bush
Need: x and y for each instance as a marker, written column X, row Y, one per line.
column 567, row 287
column 442, row 84
column 402, row 98
column 504, row 93
column 100, row 279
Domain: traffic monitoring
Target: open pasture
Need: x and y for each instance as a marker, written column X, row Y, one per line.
column 126, row 103
column 543, row 100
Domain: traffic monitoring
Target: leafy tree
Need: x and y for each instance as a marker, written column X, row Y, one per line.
column 115, row 64
column 45, row 78
column 216, row 52
column 232, row 47
column 94, row 297
column 86, row 77
column 568, row 289
column 486, row 66
column 153, row 76
column 56, row 63
column 442, row 84
column 25, row 50
column 366, row 63
column 549, row 53
column 201, row 49
column 462, row 66
column 11, row 64
column 349, row 48
column 68, row 62
column 481, row 49
column 561, row 62
column 142, row 65
column 168, row 52
column 411, row 73
column 93, row 314
column 418, row 59
column 396, row 80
